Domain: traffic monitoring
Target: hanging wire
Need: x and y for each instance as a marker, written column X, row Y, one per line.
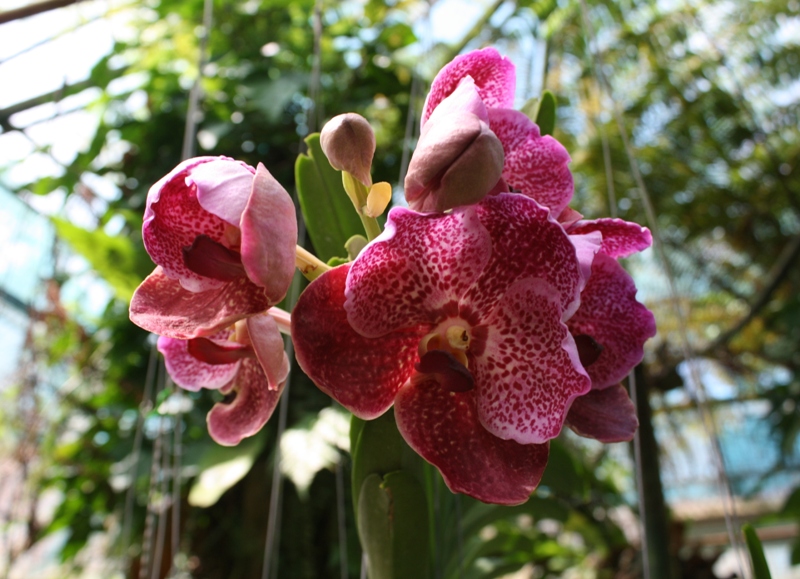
column 177, row 451
column 193, row 111
column 270, row 563
column 341, row 521
column 695, row 386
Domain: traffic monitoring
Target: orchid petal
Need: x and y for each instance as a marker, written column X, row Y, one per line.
column 190, row 373
column 494, row 76
column 174, row 217
column 526, row 242
column 161, row 305
column 530, row 371
column 605, row 415
column 620, row 238
column 415, row 271
column 586, row 247
column 535, row 165
column 610, row 314
column 223, row 187
column 464, row 99
column 443, row 427
column 267, row 342
column 246, row 414
column 362, row 374
column 457, row 162
column 269, row 235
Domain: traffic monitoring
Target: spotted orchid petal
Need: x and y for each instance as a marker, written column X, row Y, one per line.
column 610, row 314
column 526, row 242
column 253, row 403
column 493, row 74
column 269, row 235
column 530, row 371
column 161, row 305
column 620, row 238
column 362, row 374
column 190, row 373
column 443, row 427
column 416, row 270
column 605, row 415
column 465, row 98
column 535, row 165
column 175, row 216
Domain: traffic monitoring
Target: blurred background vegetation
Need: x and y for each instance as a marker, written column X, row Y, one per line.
column 686, row 110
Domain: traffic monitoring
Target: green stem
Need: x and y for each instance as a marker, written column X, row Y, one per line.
column 358, row 193
column 309, row 264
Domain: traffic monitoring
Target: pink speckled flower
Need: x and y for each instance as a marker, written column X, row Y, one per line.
column 457, row 319
column 247, row 363
column 480, row 85
column 223, row 236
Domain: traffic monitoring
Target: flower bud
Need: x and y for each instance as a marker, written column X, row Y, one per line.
column 349, row 143
column 458, row 161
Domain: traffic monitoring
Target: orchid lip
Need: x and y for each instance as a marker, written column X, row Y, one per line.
column 210, row 258
column 210, row 352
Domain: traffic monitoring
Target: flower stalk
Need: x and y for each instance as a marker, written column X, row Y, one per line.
column 309, row 264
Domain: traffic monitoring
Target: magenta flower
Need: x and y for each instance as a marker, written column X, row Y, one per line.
column 223, row 236
column 246, row 363
column 482, row 84
column 457, row 319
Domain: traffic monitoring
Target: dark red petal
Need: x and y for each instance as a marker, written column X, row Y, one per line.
column 204, row 350
column 418, row 267
column 208, row 258
column 535, row 165
column 443, row 428
column 248, row 412
column 362, row 374
column 494, row 76
column 162, row 306
column 610, row 314
column 588, row 349
column 526, row 242
column 174, row 218
column 267, row 342
column 529, row 372
column 607, row 415
column 451, row 374
column 190, row 373
column 620, row 238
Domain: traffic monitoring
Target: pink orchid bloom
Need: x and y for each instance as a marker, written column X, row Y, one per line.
column 223, row 236
column 480, row 85
column 459, row 321
column 247, row 363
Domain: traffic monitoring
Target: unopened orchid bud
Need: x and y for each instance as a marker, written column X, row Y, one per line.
column 349, row 143
column 457, row 162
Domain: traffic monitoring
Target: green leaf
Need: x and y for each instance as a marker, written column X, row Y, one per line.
column 546, row 115
column 393, row 525
column 760, row 567
column 379, row 449
column 330, row 216
column 116, row 259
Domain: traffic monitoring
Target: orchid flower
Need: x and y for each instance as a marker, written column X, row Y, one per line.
column 246, row 362
column 482, row 84
column 459, row 321
column 223, row 236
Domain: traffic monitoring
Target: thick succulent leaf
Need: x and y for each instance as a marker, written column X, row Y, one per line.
column 610, row 314
column 606, row 415
column 494, row 76
column 329, row 214
column 251, row 407
column 362, row 374
column 620, row 238
column 756, row 549
column 535, row 165
column 269, row 235
column 393, row 526
column 162, row 306
column 443, row 427
column 529, row 373
column 416, row 271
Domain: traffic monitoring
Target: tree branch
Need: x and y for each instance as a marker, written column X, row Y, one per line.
column 33, row 9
